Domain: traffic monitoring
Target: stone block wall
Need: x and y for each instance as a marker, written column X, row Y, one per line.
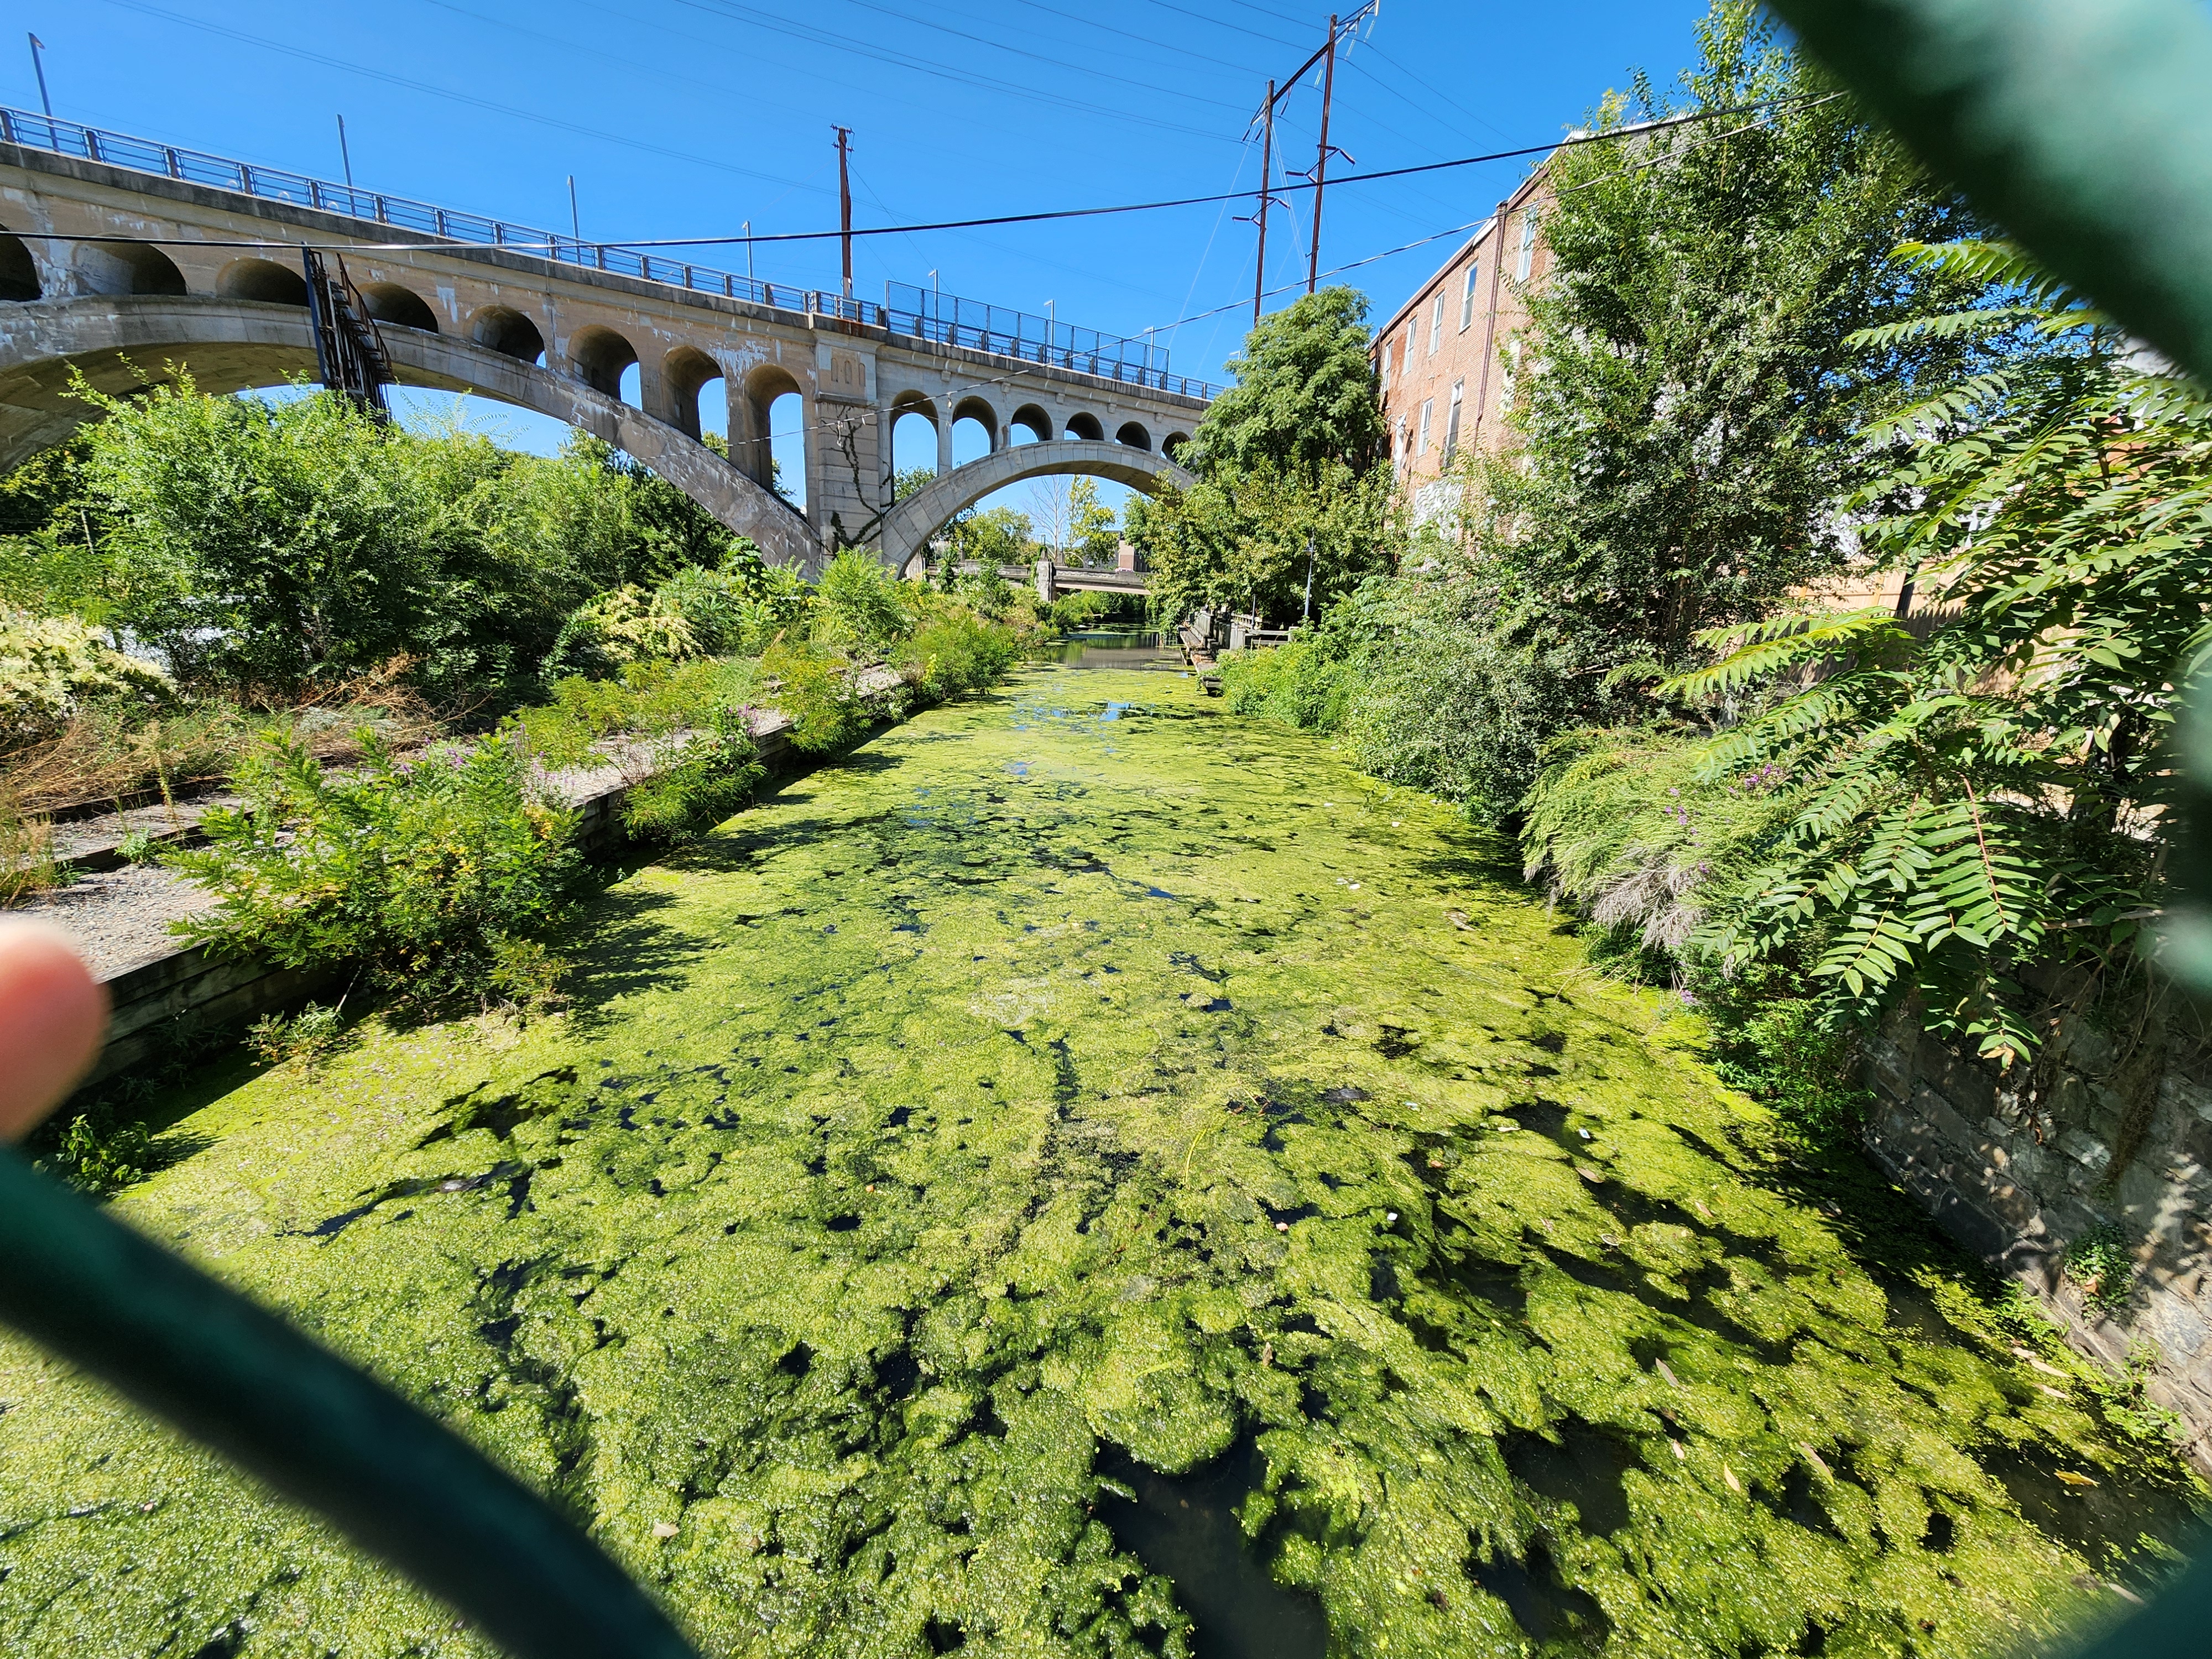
column 2105, row 1132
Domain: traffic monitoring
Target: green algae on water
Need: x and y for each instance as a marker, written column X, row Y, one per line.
column 1076, row 1080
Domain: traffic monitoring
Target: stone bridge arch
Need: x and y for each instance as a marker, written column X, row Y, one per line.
column 908, row 527
column 229, row 345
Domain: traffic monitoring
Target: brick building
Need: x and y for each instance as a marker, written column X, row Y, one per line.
column 1445, row 361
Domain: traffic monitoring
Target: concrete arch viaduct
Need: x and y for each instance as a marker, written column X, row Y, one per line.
column 110, row 264
column 909, row 525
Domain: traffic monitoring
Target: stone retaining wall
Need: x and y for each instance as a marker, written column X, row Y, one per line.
column 2106, row 1132
column 148, row 1001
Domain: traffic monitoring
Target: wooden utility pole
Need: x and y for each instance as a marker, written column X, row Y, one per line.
column 845, row 202
column 1266, row 186
column 1321, row 160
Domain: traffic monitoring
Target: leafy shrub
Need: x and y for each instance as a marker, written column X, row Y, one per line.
column 426, row 869
column 956, row 650
column 714, row 774
column 310, row 1036
column 50, row 666
column 620, row 627
column 859, row 604
column 2102, row 1268
column 1630, row 827
column 99, row 1155
column 1299, row 683
column 1792, row 1052
column 817, row 691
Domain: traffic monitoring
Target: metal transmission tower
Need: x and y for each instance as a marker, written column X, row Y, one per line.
column 349, row 356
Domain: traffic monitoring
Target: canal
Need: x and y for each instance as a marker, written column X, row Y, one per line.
column 1090, row 1175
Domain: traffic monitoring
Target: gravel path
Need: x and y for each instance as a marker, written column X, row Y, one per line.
column 120, row 918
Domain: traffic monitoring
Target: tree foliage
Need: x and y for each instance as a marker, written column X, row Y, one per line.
column 1992, row 798
column 1305, row 398
column 1240, row 538
column 1693, row 396
column 264, row 547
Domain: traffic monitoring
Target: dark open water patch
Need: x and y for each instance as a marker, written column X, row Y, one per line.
column 1185, row 1528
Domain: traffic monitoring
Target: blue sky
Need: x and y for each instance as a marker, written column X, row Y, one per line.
column 687, row 117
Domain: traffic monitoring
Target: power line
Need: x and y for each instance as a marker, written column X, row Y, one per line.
column 469, row 98
column 1152, row 87
column 1574, row 142
column 816, row 37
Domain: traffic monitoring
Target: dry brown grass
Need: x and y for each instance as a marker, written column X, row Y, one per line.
column 111, row 752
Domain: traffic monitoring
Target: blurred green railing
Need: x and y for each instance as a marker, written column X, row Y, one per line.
column 2083, row 126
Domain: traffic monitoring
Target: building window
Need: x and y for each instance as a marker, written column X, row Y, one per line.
column 1451, row 422
column 1467, row 297
column 1412, row 333
column 1398, row 444
column 1386, row 362
column 1421, row 443
column 1510, row 373
column 1435, row 322
column 1527, row 245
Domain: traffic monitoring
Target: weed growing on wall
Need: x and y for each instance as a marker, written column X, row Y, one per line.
column 425, row 869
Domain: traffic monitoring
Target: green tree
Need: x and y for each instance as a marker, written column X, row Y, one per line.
column 1304, row 397
column 1241, row 539
column 1692, row 402
column 1995, row 796
column 1093, row 536
column 992, row 537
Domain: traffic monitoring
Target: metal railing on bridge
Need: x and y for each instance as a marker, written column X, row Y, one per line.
column 917, row 312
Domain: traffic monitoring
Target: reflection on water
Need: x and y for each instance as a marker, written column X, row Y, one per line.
column 1186, row 1528
column 1111, row 647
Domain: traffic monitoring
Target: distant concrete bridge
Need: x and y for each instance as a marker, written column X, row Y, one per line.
column 110, row 264
column 909, row 526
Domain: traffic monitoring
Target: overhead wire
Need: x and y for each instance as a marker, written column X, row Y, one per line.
column 815, row 37
column 1041, row 216
column 391, row 79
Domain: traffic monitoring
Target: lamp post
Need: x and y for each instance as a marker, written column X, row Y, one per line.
column 1306, row 616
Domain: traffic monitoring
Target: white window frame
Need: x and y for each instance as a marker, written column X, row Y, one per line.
column 1398, row 455
column 1386, row 362
column 1435, row 322
column 1428, row 411
column 1510, row 374
column 1451, row 421
column 1529, row 222
column 1467, row 297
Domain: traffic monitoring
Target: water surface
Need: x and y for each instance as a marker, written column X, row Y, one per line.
column 1077, row 1103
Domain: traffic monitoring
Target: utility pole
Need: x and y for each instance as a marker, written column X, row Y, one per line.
column 845, row 202
column 38, row 65
column 1267, row 182
column 1320, row 159
column 345, row 155
column 749, row 250
column 575, row 219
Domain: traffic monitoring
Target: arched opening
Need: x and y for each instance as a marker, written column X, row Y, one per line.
column 19, row 271
column 1086, row 427
column 972, row 438
column 913, row 440
column 1134, row 435
column 1032, row 421
column 1171, row 447
column 508, row 332
column 262, row 280
column 978, row 413
column 684, row 372
column 389, row 302
column 779, row 422
column 603, row 361
column 127, row 268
